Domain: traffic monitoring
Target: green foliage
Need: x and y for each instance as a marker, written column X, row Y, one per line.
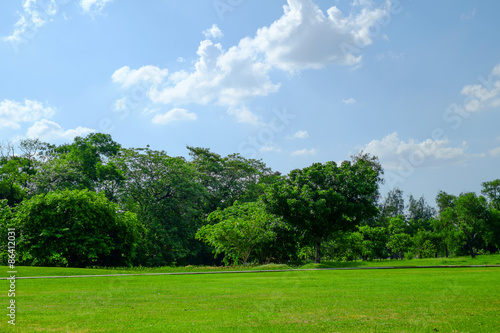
column 229, row 179
column 237, row 230
column 324, row 198
column 469, row 215
column 164, row 193
column 87, row 163
column 75, row 228
column 492, row 191
column 398, row 244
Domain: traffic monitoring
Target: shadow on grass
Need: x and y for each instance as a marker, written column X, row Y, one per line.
column 331, row 264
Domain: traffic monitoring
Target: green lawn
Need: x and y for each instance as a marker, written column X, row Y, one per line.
column 410, row 300
column 24, row 271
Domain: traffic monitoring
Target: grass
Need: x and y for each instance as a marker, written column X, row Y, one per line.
column 63, row 271
column 419, row 300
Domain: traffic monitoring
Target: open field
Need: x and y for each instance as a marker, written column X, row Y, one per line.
column 416, row 300
column 24, row 271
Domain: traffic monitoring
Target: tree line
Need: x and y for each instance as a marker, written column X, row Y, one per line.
column 94, row 203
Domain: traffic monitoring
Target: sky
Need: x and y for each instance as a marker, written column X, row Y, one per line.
column 291, row 82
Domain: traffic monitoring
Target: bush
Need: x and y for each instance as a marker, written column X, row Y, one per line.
column 75, row 228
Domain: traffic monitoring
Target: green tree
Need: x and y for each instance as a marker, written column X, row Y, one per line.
column 399, row 244
column 237, row 230
column 392, row 206
column 164, row 193
column 492, row 191
column 229, row 179
column 324, row 198
column 87, row 163
column 76, row 229
column 469, row 215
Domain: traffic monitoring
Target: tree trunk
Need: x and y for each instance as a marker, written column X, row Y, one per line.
column 471, row 250
column 318, row 250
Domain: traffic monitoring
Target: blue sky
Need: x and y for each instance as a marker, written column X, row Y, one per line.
column 416, row 83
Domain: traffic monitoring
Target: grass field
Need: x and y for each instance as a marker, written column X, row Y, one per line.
column 24, row 271
column 416, row 300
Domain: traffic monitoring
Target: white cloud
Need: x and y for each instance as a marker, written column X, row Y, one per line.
column 304, row 152
column 468, row 16
column 349, row 101
column 35, row 15
column 225, row 78
column 395, row 154
column 213, row 32
column 244, row 115
column 121, row 104
column 13, row 113
column 303, row 37
column 93, row 6
column 148, row 74
column 301, row 135
column 480, row 96
column 174, row 115
column 494, row 152
column 270, row 147
column 47, row 130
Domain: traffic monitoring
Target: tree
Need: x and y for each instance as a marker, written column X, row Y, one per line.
column 393, row 204
column 324, row 198
column 229, row 179
column 492, row 191
column 237, row 230
column 87, row 163
column 469, row 215
column 398, row 244
column 164, row 193
column 374, row 242
column 75, row 228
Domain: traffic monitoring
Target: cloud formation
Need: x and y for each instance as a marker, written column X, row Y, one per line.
column 481, row 96
column 301, row 135
column 93, row 6
column 213, row 32
column 304, row 152
column 174, row 115
column 147, row 74
column 13, row 113
column 303, row 37
column 349, row 101
column 395, row 154
column 35, row 14
column 47, row 130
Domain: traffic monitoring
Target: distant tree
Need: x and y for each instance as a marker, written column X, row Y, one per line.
column 164, row 193
column 76, row 229
column 374, row 242
column 398, row 244
column 237, row 230
column 324, row 198
column 492, row 191
column 393, row 204
column 229, row 179
column 87, row 163
column 469, row 215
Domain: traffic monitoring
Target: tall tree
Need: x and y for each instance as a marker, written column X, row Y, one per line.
column 164, row 193
column 324, row 198
column 229, row 178
column 492, row 191
column 469, row 215
column 393, row 204
column 237, row 230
